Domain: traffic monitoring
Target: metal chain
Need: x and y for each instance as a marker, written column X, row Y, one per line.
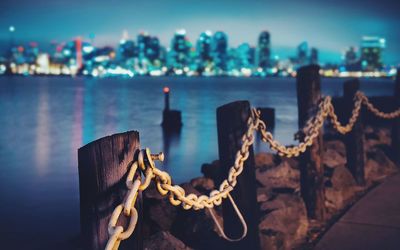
column 176, row 194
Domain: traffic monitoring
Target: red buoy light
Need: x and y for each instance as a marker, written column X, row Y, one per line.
column 166, row 90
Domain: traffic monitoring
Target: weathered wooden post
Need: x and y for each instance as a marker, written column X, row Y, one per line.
column 396, row 124
column 232, row 124
column 103, row 165
column 268, row 116
column 311, row 167
column 355, row 139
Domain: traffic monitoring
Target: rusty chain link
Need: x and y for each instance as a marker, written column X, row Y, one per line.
column 176, row 194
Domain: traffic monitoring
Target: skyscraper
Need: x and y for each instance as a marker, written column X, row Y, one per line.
column 314, row 56
column 220, row 51
column 264, row 50
column 371, row 53
column 351, row 61
column 302, row 52
column 203, row 47
column 180, row 48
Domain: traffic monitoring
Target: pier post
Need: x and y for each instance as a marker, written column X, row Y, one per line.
column 103, row 165
column 396, row 123
column 311, row 167
column 232, row 124
column 268, row 116
column 354, row 140
column 172, row 119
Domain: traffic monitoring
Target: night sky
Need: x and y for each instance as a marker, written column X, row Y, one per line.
column 331, row 26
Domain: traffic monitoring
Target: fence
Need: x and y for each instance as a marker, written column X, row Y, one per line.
column 113, row 171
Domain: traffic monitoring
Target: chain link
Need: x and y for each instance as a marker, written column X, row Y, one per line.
column 176, row 194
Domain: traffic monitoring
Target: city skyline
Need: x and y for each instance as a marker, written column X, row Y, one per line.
column 331, row 30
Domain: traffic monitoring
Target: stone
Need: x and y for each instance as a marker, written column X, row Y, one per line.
column 335, row 154
column 264, row 160
column 263, row 194
column 378, row 165
column 336, row 199
column 202, row 184
column 164, row 241
column 342, row 178
column 342, row 189
column 285, row 224
column 211, row 170
column 160, row 214
column 281, row 176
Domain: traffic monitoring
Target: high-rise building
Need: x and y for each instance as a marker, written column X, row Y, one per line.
column 203, row 47
column 127, row 50
column 351, row 61
column 264, row 50
column 143, row 40
column 180, row 48
column 371, row 53
column 245, row 56
column 314, row 56
column 153, row 49
column 302, row 53
column 220, row 51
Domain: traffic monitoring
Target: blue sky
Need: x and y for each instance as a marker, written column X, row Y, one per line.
column 331, row 26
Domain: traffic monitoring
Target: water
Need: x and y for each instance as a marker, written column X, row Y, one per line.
column 44, row 120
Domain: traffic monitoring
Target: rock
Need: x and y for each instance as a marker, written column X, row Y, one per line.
column 271, row 240
column 202, row 184
column 378, row 165
column 335, row 154
column 342, row 189
column 377, row 136
column 193, row 227
column 263, row 194
column 285, row 224
column 342, row 178
column 336, row 145
column 264, row 160
column 160, row 214
column 336, row 199
column 164, row 241
column 211, row 170
column 281, row 176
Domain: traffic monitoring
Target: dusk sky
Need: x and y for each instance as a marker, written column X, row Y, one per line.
column 330, row 26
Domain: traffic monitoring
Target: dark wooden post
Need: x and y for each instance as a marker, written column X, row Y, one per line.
column 396, row 124
column 355, row 139
column 311, row 168
column 103, row 165
column 268, row 116
column 232, row 124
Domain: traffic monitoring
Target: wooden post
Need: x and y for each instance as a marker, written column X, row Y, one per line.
column 396, row 123
column 355, row 139
column 311, row 168
column 232, row 124
column 268, row 116
column 103, row 165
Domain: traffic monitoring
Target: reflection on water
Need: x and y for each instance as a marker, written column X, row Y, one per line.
column 45, row 120
column 42, row 145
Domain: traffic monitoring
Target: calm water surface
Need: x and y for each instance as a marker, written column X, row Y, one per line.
column 45, row 120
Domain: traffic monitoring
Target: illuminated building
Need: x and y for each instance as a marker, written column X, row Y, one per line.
column 127, row 49
column 302, row 52
column 204, row 49
column 153, row 49
column 220, row 51
column 245, row 55
column 264, row 50
column 351, row 61
column 371, row 53
column 314, row 56
column 180, row 48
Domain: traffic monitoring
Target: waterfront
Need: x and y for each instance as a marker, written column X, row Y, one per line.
column 44, row 121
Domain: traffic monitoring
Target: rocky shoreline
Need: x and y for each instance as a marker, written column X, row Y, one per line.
column 283, row 222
